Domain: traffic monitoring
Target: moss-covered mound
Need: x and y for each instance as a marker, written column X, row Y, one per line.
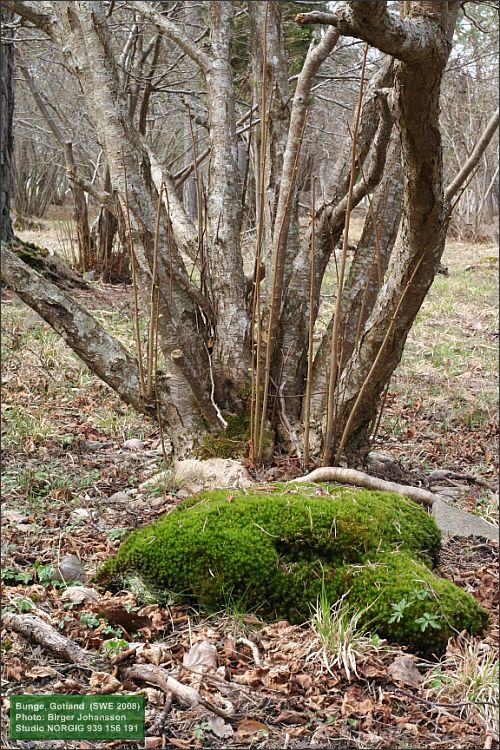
column 410, row 604
column 274, row 552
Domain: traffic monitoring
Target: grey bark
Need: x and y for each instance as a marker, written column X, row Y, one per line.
column 418, row 75
column 363, row 283
column 6, row 135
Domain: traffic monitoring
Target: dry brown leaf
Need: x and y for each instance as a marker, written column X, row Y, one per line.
column 403, row 671
column 118, row 614
column 353, row 707
column 252, row 677
column 220, row 728
column 370, row 669
column 13, row 672
column 67, row 686
column 247, row 727
column 291, row 717
column 104, row 683
column 153, row 742
column 304, row 680
column 155, row 653
column 38, row 672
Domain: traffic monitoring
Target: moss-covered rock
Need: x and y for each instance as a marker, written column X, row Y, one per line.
column 275, row 551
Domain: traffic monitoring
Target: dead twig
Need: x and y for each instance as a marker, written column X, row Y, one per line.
column 253, row 648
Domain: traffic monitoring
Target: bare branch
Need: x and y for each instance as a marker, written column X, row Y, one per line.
column 103, row 354
column 174, row 33
column 102, row 197
column 32, row 12
column 473, row 159
column 369, row 20
column 42, row 106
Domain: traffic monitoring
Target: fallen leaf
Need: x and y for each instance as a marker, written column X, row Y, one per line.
column 155, row 653
column 291, row 717
column 67, row 686
column 118, row 614
column 247, row 727
column 404, row 671
column 104, row 683
column 220, row 728
column 305, row 681
column 13, row 672
column 370, row 669
column 351, row 706
column 152, row 742
column 39, row 672
column 201, row 657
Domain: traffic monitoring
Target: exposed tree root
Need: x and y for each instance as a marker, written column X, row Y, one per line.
column 451, row 521
column 360, row 479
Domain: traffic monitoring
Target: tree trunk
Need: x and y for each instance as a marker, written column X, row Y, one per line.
column 112, row 265
column 366, row 274
column 6, row 136
column 422, row 48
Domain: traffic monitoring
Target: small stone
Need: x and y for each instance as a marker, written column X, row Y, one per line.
column 403, row 671
column 14, row 516
column 79, row 594
column 273, row 474
column 118, row 497
column 70, row 569
column 157, row 502
column 81, row 514
column 134, row 444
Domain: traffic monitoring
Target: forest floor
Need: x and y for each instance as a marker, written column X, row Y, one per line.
column 65, row 452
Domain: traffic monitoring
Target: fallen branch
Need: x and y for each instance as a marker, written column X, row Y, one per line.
column 35, row 629
column 189, row 696
column 360, row 479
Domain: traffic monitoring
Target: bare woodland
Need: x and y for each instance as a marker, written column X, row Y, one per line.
column 221, row 148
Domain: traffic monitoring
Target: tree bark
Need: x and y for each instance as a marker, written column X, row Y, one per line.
column 6, row 135
column 366, row 274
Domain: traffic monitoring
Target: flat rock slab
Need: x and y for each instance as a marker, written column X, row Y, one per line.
column 454, row 522
column 194, row 475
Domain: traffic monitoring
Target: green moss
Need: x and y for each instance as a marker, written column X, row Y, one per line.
column 425, row 610
column 31, row 254
column 229, row 443
column 276, row 550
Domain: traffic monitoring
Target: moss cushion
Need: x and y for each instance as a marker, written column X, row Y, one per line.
column 273, row 551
